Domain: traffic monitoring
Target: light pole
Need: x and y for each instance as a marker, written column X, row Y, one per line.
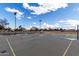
column 15, row 20
column 40, row 24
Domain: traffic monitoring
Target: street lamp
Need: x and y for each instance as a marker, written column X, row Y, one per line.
column 15, row 21
column 40, row 24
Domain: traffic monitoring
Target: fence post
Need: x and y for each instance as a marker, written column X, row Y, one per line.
column 77, row 32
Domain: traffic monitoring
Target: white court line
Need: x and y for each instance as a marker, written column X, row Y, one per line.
column 67, row 48
column 11, row 47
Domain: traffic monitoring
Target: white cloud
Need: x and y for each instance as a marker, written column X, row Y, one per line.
column 76, row 9
column 34, row 23
column 13, row 10
column 57, row 25
column 47, row 26
column 44, row 7
column 69, row 24
column 29, row 17
column 65, row 24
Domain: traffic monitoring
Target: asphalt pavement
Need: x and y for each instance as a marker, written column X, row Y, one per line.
column 38, row 44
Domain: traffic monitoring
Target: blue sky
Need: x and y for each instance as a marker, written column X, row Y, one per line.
column 52, row 15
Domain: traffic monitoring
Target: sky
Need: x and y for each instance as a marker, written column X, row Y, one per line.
column 53, row 15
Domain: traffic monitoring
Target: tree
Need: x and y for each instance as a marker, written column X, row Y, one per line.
column 34, row 29
column 3, row 23
column 20, row 28
column 1, row 27
column 61, row 29
column 8, row 29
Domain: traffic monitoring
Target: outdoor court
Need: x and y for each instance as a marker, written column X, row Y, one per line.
column 39, row 44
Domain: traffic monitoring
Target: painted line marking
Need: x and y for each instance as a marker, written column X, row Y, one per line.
column 67, row 48
column 11, row 47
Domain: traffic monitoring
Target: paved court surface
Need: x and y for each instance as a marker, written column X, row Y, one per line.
column 37, row 44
